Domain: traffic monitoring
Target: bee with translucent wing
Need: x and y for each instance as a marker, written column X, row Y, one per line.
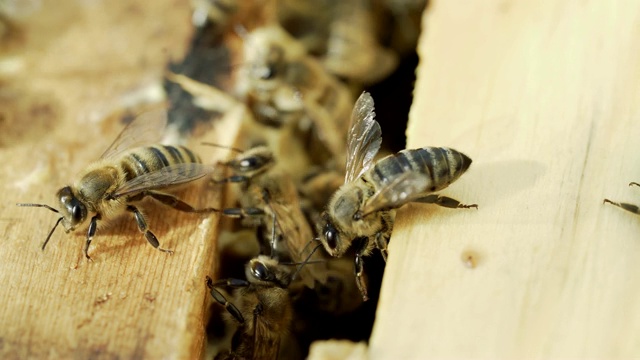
column 133, row 167
column 362, row 211
column 262, row 309
column 263, row 305
column 269, row 200
column 353, row 50
column 286, row 88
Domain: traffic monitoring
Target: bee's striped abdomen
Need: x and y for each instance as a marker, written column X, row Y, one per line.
column 441, row 165
column 153, row 158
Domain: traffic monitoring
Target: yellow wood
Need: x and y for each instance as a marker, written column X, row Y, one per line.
column 544, row 96
column 75, row 66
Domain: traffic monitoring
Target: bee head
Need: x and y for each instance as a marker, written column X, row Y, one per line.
column 257, row 161
column 266, row 270
column 73, row 211
column 270, row 67
column 270, row 50
column 330, row 236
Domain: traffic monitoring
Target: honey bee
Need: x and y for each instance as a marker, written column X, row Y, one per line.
column 262, row 308
column 344, row 35
column 248, row 164
column 307, row 21
column 128, row 171
column 353, row 49
column 362, row 211
column 265, row 295
column 284, row 86
column 629, row 207
column 406, row 22
column 270, row 201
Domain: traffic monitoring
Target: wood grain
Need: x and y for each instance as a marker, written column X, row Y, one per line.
column 63, row 84
column 544, row 96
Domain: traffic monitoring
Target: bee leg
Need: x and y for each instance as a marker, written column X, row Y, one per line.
column 218, row 297
column 91, row 232
column 445, row 202
column 634, row 184
column 142, row 225
column 178, row 204
column 381, row 244
column 242, row 212
column 629, row 207
column 383, row 236
column 361, row 280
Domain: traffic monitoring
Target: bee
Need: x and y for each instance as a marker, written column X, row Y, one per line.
column 361, row 212
column 262, row 308
column 344, row 35
column 402, row 22
column 128, row 171
column 270, row 201
column 247, row 164
column 264, row 298
column 353, row 50
column 629, row 207
column 285, row 87
column 307, row 21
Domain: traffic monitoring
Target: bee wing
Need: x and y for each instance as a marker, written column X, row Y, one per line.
column 398, row 192
column 364, row 138
column 296, row 231
column 294, row 228
column 145, row 129
column 166, row 177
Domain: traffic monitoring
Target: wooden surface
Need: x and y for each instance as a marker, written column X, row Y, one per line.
column 73, row 69
column 544, row 96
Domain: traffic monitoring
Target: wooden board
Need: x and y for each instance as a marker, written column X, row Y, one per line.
column 71, row 72
column 544, row 96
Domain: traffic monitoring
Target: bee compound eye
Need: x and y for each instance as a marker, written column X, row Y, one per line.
column 77, row 213
column 260, row 271
column 248, row 163
column 331, row 235
column 267, row 72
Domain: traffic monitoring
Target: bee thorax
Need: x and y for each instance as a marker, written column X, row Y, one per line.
column 94, row 185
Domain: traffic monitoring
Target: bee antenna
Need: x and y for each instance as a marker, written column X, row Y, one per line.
column 39, row 205
column 51, row 233
column 54, row 226
column 309, row 243
column 306, row 261
column 223, row 147
column 303, row 262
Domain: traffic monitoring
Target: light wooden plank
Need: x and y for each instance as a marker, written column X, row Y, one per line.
column 544, row 96
column 81, row 62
